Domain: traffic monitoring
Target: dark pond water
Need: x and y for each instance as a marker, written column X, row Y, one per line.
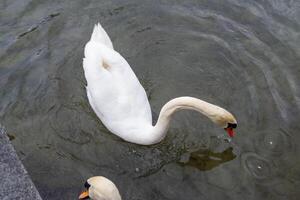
column 242, row 55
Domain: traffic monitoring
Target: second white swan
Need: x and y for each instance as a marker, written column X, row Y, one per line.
column 121, row 103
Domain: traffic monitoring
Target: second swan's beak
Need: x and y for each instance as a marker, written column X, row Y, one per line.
column 84, row 195
column 230, row 131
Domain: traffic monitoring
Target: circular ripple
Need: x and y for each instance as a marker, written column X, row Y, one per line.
column 71, row 128
column 274, row 143
column 258, row 167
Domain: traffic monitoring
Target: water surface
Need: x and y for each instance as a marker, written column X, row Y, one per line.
column 242, row 55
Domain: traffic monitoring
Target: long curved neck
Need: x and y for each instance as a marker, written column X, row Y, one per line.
column 190, row 103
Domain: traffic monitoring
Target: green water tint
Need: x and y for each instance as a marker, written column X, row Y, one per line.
column 205, row 159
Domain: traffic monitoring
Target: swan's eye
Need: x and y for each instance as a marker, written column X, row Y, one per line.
column 87, row 185
column 231, row 125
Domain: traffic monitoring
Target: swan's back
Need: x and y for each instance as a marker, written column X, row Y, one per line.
column 113, row 90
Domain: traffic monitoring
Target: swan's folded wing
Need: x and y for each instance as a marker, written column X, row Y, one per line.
column 114, row 91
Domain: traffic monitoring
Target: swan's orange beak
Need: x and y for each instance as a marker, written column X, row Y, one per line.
column 84, row 195
column 230, row 131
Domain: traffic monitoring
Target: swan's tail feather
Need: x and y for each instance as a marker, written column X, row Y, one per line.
column 99, row 35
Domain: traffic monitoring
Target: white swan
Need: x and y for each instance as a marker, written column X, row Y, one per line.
column 100, row 188
column 120, row 101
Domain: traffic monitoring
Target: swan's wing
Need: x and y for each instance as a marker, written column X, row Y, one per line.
column 113, row 89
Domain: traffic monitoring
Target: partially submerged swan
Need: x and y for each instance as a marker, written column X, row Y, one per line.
column 121, row 103
column 100, row 188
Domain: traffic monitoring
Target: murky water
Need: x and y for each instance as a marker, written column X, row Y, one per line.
column 242, row 55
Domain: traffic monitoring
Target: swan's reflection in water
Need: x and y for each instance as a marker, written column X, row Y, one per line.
column 205, row 159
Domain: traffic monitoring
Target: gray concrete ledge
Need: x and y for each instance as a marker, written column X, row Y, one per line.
column 15, row 182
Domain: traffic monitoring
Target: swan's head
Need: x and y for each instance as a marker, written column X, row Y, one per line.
column 225, row 120
column 216, row 114
column 100, row 188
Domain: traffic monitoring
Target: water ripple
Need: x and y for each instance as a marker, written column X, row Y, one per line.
column 272, row 143
column 242, row 55
column 257, row 167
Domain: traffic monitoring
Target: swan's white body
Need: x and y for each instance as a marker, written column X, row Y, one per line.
column 120, row 101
